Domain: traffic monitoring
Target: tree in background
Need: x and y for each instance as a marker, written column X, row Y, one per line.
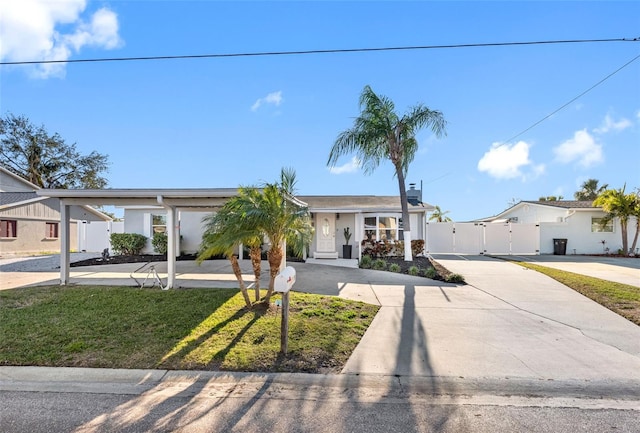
column 45, row 160
column 589, row 190
column 618, row 204
column 439, row 216
column 379, row 134
column 551, row 198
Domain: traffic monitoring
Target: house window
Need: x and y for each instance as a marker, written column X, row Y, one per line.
column 51, row 231
column 158, row 223
column 8, row 228
column 597, row 227
column 383, row 227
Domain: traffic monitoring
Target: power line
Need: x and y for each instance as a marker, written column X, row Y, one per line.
column 330, row 51
column 574, row 99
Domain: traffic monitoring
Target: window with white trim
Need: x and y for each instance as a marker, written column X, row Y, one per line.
column 383, row 227
column 158, row 224
column 597, row 227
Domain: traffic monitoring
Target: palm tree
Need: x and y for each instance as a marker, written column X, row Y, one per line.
column 617, row 204
column 274, row 211
column 636, row 214
column 378, row 134
column 223, row 232
column 589, row 190
column 439, row 216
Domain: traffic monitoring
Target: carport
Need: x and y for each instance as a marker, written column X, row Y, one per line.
column 170, row 199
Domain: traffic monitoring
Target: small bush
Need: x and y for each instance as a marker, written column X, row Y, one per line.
column 128, row 244
column 414, row 270
column 159, row 243
column 430, row 273
column 365, row 262
column 379, row 265
column 454, row 278
column 394, row 267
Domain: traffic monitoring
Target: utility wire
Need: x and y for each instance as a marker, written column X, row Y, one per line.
column 331, row 51
column 574, row 99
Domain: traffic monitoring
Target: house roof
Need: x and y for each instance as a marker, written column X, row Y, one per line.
column 7, row 198
column 566, row 204
column 357, row 203
column 28, row 185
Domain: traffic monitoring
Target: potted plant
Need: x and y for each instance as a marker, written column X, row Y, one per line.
column 346, row 248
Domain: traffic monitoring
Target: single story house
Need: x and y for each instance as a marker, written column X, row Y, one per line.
column 532, row 227
column 579, row 222
column 30, row 223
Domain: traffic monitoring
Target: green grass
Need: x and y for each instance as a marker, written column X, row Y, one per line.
column 623, row 299
column 208, row 329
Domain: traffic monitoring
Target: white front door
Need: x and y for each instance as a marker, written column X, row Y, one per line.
column 326, row 230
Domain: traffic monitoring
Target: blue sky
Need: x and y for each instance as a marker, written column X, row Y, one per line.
column 224, row 122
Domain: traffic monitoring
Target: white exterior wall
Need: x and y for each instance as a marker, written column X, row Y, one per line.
column 191, row 229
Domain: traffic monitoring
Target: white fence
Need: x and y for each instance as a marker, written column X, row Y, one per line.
column 482, row 238
column 94, row 236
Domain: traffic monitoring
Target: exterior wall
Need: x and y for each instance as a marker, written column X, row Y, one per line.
column 346, row 220
column 9, row 183
column 32, row 238
column 191, row 229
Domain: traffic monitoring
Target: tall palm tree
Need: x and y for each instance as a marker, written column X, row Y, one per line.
column 589, row 190
column 439, row 216
column 378, row 134
column 617, row 204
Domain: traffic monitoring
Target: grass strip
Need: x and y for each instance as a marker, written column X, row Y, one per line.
column 622, row 299
column 204, row 329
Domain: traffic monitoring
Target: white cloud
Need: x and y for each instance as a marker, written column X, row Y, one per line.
column 609, row 124
column 274, row 98
column 349, row 167
column 582, row 148
column 31, row 30
column 503, row 161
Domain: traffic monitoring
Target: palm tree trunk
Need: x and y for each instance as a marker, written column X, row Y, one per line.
column 406, row 224
column 256, row 261
column 625, row 240
column 238, row 273
column 635, row 237
column 275, row 259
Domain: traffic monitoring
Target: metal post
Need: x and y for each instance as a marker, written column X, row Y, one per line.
column 284, row 324
column 171, row 247
column 65, row 242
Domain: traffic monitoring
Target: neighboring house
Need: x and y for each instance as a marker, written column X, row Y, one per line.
column 30, row 223
column 369, row 216
column 579, row 222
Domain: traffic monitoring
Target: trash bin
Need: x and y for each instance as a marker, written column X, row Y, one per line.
column 559, row 247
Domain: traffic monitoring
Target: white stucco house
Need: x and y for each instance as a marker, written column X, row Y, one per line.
column 579, row 222
column 370, row 216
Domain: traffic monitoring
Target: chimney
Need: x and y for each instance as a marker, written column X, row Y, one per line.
column 414, row 196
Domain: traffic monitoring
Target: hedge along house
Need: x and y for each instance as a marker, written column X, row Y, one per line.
column 30, row 222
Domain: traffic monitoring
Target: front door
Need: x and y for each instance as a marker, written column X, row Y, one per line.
column 326, row 232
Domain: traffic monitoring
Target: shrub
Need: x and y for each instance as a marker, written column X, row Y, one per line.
column 454, row 278
column 417, row 247
column 414, row 270
column 365, row 262
column 379, row 265
column 430, row 273
column 394, row 267
column 128, row 244
column 159, row 242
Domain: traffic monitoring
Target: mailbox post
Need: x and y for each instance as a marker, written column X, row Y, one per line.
column 283, row 283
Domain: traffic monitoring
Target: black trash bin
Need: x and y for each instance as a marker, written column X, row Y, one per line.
column 559, row 247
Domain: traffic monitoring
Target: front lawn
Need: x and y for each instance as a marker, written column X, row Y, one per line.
column 205, row 329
